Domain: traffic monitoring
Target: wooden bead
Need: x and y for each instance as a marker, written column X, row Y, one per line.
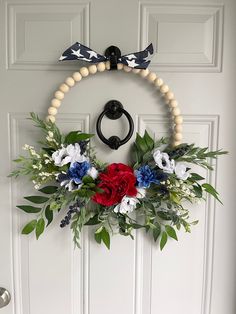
column 108, row 65
column 70, row 81
column 51, row 118
column 101, row 66
column 84, row 71
column 178, row 136
column 92, row 69
column 120, row 66
column 169, row 95
column 178, row 120
column 127, row 69
column 144, row 72
column 176, row 111
column 164, row 88
column 64, row 88
column 52, row 111
column 178, row 128
column 151, row 77
column 176, row 143
column 173, row 103
column 136, row 71
column 55, row 103
column 77, row 76
column 59, row 95
column 158, row 82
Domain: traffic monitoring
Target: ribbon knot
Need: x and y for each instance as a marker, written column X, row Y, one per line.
column 136, row 60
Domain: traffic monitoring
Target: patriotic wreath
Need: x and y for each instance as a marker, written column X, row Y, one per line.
column 152, row 192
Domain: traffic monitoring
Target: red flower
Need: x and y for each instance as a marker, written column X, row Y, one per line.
column 117, row 181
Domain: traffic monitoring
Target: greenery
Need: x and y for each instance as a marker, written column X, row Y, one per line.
column 161, row 210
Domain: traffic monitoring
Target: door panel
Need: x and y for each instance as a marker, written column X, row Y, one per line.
column 195, row 275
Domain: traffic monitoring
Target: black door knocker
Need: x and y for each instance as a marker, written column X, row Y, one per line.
column 114, row 110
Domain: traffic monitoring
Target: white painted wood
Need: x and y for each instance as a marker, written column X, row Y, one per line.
column 186, row 37
column 194, row 276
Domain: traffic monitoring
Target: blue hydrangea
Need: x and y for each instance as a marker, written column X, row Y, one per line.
column 77, row 171
column 145, row 176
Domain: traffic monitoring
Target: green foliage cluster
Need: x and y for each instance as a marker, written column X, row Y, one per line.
column 161, row 212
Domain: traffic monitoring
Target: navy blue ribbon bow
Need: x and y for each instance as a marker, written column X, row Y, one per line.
column 136, row 60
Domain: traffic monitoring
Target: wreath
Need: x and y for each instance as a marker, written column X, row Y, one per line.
column 152, row 192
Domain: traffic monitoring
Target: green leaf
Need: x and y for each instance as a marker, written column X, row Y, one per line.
column 141, row 143
column 29, row 209
column 39, row 227
column 156, row 231
column 149, row 141
column 49, row 215
column 87, row 179
column 93, row 221
column 209, row 189
column 197, row 190
column 135, row 154
column 137, row 226
column 174, row 197
column 196, row 177
column 29, row 227
column 164, row 238
column 76, row 136
column 49, row 189
column 98, row 237
column 171, row 232
column 105, row 237
column 37, row 199
column 164, row 215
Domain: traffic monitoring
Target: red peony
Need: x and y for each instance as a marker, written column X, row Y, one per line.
column 117, row 181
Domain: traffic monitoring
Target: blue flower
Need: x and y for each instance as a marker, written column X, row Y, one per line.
column 145, row 176
column 77, row 171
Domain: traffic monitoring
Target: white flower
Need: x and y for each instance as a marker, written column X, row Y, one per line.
column 141, row 193
column 26, row 147
column 50, row 133
column 69, row 154
column 181, row 171
column 127, row 205
column 71, row 186
column 92, row 172
column 163, row 161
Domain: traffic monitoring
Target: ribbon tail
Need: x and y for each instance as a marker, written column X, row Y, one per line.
column 138, row 60
column 80, row 52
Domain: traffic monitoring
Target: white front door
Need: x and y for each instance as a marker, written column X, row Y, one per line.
column 195, row 54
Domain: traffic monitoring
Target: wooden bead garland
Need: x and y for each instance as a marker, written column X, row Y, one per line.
column 77, row 76
column 64, row 88
column 70, row 81
column 144, row 73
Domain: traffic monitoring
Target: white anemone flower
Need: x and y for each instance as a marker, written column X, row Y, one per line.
column 127, row 205
column 69, row 184
column 69, row 154
column 181, row 171
column 163, row 161
column 92, row 172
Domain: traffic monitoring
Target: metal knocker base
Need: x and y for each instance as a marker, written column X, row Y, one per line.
column 114, row 110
